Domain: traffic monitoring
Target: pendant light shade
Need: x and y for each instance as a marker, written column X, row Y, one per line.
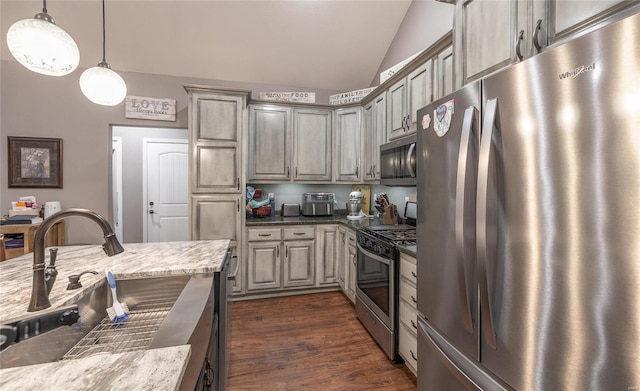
column 43, row 47
column 100, row 84
column 103, row 86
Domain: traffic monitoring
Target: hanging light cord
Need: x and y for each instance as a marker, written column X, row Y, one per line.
column 104, row 34
column 44, row 6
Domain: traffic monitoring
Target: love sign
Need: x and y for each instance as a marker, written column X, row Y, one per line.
column 140, row 107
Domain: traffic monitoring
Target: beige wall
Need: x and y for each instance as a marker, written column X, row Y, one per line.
column 423, row 25
column 34, row 105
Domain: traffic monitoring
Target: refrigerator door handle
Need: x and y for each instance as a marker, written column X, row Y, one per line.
column 464, row 369
column 467, row 137
column 410, row 153
column 482, row 220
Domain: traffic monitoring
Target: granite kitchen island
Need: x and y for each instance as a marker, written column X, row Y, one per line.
column 145, row 369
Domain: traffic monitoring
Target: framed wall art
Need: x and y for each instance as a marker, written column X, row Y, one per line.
column 35, row 162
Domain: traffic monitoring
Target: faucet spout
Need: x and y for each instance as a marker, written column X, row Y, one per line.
column 39, row 294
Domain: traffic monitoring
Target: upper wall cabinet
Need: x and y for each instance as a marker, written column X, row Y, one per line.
column 215, row 130
column 491, row 34
column 443, row 73
column 288, row 143
column 269, row 143
column 312, row 143
column 406, row 97
column 568, row 17
column 488, row 36
column 374, row 134
column 347, row 145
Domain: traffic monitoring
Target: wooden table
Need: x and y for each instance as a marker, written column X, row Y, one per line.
column 55, row 237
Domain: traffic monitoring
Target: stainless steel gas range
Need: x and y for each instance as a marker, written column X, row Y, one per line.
column 378, row 282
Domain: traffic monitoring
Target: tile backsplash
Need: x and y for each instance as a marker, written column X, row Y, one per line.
column 291, row 193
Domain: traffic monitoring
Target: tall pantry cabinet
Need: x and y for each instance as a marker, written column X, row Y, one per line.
column 217, row 177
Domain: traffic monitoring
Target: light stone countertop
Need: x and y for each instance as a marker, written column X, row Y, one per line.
column 157, row 369
column 137, row 260
column 154, row 369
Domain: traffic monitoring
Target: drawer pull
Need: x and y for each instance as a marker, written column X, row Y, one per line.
column 414, row 299
column 264, row 235
column 413, row 355
column 414, row 274
column 415, row 326
column 298, row 233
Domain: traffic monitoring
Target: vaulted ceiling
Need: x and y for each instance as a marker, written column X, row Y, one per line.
column 327, row 45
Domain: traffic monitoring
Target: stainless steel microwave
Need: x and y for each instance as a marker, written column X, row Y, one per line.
column 398, row 162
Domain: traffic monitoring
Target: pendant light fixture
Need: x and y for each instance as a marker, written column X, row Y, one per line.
column 41, row 46
column 100, row 84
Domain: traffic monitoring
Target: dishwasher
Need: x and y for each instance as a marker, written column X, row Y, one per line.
column 213, row 372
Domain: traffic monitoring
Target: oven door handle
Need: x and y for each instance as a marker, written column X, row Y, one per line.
column 377, row 257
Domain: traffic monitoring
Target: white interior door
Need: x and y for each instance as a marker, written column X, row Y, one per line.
column 166, row 190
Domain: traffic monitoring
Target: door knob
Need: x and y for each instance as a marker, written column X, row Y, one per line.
column 151, row 211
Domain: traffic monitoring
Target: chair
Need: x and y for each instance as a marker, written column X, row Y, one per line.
column 3, row 254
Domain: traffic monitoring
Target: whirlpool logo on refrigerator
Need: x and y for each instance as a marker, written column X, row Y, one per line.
column 577, row 72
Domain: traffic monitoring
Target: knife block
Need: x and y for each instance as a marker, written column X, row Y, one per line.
column 390, row 215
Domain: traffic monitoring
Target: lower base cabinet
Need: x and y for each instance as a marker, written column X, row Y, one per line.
column 347, row 258
column 281, row 258
column 408, row 327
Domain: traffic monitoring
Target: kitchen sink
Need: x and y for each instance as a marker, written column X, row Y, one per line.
column 164, row 311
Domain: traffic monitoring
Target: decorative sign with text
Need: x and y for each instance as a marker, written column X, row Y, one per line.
column 349, row 97
column 140, row 107
column 384, row 76
column 299, row 97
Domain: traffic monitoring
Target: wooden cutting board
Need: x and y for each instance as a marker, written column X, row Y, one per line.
column 366, row 200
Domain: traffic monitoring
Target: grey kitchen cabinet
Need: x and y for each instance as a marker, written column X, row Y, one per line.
column 327, row 241
column 263, row 266
column 216, row 127
column 269, row 143
column 408, row 313
column 299, row 256
column 280, row 258
column 406, row 97
column 443, row 82
column 312, row 145
column 374, row 134
column 288, row 143
column 217, row 124
column 347, row 145
column 341, row 257
column 568, row 17
column 351, row 260
column 347, row 258
column 299, row 263
column 263, row 259
column 207, row 211
column 519, row 29
column 487, row 36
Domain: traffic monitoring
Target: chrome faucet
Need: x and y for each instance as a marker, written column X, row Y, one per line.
column 39, row 293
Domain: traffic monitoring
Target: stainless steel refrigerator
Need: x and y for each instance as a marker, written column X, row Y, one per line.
column 529, row 223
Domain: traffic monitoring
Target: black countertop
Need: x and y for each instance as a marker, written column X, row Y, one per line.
column 339, row 217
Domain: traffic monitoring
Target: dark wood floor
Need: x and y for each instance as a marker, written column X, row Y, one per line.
column 307, row 342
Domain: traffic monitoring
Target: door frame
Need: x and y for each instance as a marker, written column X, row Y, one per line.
column 146, row 141
column 116, row 186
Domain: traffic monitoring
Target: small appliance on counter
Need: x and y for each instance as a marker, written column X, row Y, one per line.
column 318, row 204
column 354, row 206
column 290, row 210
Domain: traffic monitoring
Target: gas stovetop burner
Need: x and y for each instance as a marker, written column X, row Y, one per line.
column 396, row 234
